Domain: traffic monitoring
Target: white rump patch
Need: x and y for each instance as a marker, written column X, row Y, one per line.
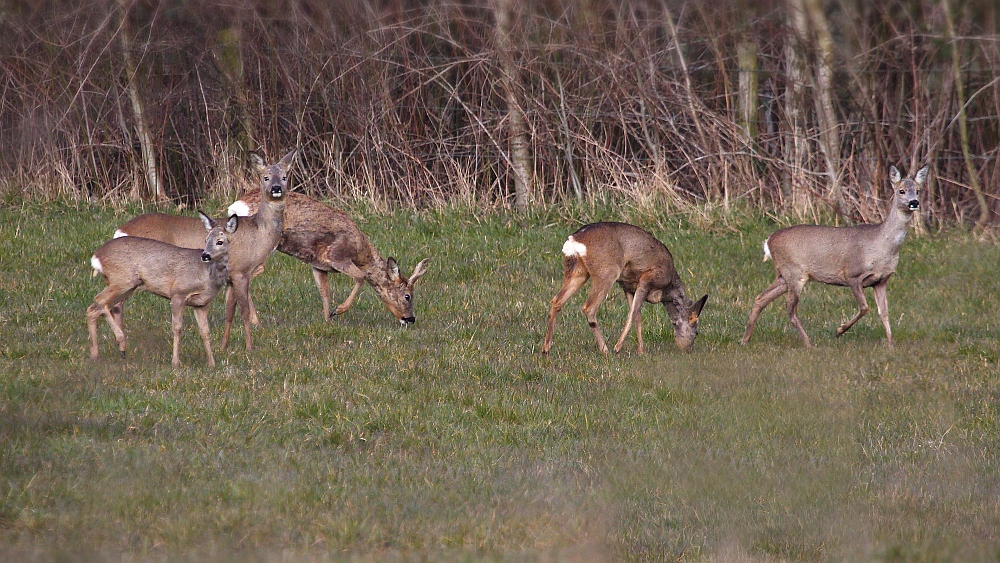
column 96, row 264
column 239, row 207
column 767, row 251
column 573, row 248
column 120, row 233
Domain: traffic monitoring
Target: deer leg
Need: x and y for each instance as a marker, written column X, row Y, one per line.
column 573, row 280
column 792, row 303
column 176, row 323
column 103, row 303
column 254, row 320
column 635, row 311
column 859, row 294
column 883, row 307
column 241, row 288
column 359, row 279
column 201, row 316
column 322, row 280
column 230, row 313
column 774, row 291
column 638, row 321
column 598, row 291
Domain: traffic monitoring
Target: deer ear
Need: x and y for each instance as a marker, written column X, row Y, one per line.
column 286, row 161
column 420, row 270
column 893, row 175
column 257, row 161
column 696, row 309
column 206, row 220
column 232, row 224
column 392, row 268
column 921, row 175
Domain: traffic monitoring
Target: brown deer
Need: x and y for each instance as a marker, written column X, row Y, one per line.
column 642, row 266
column 857, row 257
column 251, row 246
column 330, row 241
column 187, row 277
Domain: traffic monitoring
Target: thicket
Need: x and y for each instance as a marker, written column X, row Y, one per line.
column 794, row 106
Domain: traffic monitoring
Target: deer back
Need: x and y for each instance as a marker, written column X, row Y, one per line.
column 178, row 230
column 625, row 252
column 314, row 232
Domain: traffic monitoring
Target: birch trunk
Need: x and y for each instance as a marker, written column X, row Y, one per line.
column 141, row 123
column 516, row 122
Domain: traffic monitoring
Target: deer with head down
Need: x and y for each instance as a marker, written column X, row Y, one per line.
column 251, row 246
column 857, row 257
column 640, row 264
column 328, row 240
column 187, row 277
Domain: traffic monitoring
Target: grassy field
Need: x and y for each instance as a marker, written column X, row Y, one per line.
column 455, row 439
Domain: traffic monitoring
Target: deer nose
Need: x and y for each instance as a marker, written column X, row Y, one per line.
column 409, row 320
column 206, row 257
column 276, row 191
column 914, row 204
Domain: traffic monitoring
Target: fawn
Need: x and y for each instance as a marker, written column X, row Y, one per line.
column 187, row 277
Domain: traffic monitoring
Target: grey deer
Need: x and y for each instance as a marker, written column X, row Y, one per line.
column 251, row 246
column 187, row 277
column 330, row 241
column 642, row 266
column 857, row 257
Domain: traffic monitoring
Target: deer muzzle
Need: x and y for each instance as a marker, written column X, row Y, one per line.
column 914, row 204
column 206, row 257
column 276, row 191
column 408, row 320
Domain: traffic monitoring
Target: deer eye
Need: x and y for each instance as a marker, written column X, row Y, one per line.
column 284, row 179
column 902, row 192
column 267, row 178
column 406, row 296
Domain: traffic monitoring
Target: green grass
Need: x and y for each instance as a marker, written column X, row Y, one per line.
column 455, row 439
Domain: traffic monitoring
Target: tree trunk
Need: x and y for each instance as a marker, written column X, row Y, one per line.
column 141, row 122
column 746, row 53
column 516, row 121
column 963, row 127
column 796, row 144
column 829, row 134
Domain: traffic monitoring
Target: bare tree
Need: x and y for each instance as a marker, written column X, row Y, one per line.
column 139, row 110
column 516, row 122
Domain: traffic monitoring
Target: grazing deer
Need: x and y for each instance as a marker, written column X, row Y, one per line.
column 251, row 246
column 856, row 257
column 329, row 241
column 642, row 266
column 187, row 277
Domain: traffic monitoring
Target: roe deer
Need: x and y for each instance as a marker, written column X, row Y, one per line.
column 642, row 266
column 856, row 257
column 251, row 246
column 187, row 277
column 329, row 241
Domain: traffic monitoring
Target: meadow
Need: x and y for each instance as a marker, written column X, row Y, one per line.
column 455, row 439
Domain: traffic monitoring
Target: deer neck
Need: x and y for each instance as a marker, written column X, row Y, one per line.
column 375, row 270
column 893, row 229
column 271, row 214
column 218, row 271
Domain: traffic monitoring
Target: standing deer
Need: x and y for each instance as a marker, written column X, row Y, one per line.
column 642, row 266
column 329, row 241
column 251, row 246
column 187, row 277
column 856, row 257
